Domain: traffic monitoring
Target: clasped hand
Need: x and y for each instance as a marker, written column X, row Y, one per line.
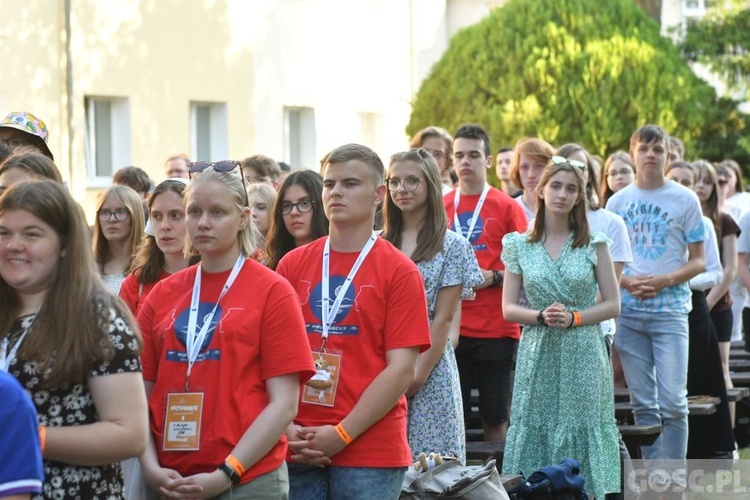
column 556, row 316
column 314, row 445
column 646, row 287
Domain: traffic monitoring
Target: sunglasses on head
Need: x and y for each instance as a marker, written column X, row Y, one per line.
column 560, row 160
column 219, row 166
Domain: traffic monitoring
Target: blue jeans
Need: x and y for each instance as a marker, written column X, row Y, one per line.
column 653, row 349
column 332, row 483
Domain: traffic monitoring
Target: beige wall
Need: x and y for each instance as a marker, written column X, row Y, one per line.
column 344, row 59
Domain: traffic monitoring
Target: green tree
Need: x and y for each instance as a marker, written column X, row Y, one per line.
column 721, row 41
column 573, row 70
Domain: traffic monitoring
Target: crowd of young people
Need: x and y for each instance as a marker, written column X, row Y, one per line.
column 289, row 344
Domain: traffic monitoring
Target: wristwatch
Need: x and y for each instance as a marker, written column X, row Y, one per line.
column 230, row 472
column 497, row 278
column 540, row 318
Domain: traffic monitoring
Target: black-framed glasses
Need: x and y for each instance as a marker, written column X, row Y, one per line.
column 623, row 173
column 303, row 206
column 220, row 166
column 409, row 184
column 119, row 215
column 561, row 160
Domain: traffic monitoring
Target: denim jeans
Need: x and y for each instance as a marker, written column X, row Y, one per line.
column 653, row 349
column 333, row 483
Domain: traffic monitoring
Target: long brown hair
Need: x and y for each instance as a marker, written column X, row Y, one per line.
column 432, row 233
column 279, row 241
column 149, row 261
column 705, row 171
column 621, row 156
column 592, row 185
column 128, row 197
column 71, row 331
column 577, row 221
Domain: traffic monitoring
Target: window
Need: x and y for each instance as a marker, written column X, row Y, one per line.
column 299, row 133
column 107, row 139
column 208, row 131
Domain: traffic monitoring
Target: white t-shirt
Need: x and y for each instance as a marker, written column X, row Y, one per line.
column 743, row 240
column 661, row 223
column 613, row 226
column 737, row 204
column 714, row 272
column 530, row 215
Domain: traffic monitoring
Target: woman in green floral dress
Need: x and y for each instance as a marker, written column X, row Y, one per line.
column 563, row 404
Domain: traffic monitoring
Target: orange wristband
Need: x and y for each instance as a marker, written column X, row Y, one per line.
column 343, row 434
column 577, row 318
column 235, row 464
column 43, row 438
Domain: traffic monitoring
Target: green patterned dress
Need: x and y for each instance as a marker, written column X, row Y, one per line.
column 563, row 402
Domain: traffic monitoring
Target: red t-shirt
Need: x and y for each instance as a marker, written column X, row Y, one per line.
column 257, row 333
column 132, row 293
column 500, row 215
column 385, row 308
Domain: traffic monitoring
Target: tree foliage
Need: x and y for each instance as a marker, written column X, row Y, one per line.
column 721, row 41
column 574, row 70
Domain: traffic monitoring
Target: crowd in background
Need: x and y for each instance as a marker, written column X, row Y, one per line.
column 244, row 329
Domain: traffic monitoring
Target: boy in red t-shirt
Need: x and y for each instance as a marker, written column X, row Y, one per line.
column 366, row 316
column 484, row 214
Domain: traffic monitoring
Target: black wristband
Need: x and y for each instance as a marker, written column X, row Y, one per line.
column 540, row 318
column 230, row 472
column 497, row 278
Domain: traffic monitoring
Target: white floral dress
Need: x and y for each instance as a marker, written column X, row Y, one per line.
column 563, row 402
column 73, row 405
column 436, row 422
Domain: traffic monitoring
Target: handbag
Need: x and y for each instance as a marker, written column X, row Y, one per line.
column 558, row 482
column 453, row 480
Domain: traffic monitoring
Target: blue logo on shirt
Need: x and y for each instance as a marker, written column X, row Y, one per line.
column 649, row 229
column 465, row 220
column 181, row 327
column 316, row 305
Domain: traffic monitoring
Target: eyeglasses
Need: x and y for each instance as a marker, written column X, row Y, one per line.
column 723, row 182
column 624, row 172
column 303, row 206
column 560, row 160
column 120, row 215
column 408, row 184
column 220, row 166
column 17, row 141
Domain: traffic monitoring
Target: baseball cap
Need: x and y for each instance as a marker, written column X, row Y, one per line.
column 26, row 122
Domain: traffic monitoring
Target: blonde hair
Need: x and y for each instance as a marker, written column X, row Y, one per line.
column 133, row 203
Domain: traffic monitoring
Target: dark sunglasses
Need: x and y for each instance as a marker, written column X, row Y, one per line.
column 220, row 166
column 561, row 160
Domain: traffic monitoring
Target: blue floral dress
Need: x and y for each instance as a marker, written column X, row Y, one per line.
column 436, row 422
column 563, row 402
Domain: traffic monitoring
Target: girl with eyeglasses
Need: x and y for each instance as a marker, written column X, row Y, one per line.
column 619, row 171
column 561, row 265
column 298, row 216
column 225, row 352
column 416, row 223
column 118, row 231
column 71, row 344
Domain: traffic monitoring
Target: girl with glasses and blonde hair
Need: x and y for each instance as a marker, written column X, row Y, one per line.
column 118, row 231
column 415, row 222
column 619, row 171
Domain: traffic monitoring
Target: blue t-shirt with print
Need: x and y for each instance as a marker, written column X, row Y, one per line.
column 661, row 223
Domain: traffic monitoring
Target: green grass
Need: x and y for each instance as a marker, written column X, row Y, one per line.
column 744, row 453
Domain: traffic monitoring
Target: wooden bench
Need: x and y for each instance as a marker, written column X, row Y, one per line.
column 485, row 450
column 636, row 436
column 739, row 365
column 737, row 393
column 739, row 354
column 740, row 379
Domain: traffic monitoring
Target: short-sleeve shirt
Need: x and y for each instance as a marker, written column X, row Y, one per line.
column 613, row 226
column 661, row 223
column 384, row 308
column 500, row 215
column 134, row 293
column 728, row 227
column 73, row 404
column 256, row 333
column 21, row 470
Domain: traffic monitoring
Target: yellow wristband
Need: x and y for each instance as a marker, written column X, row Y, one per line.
column 235, row 464
column 343, row 434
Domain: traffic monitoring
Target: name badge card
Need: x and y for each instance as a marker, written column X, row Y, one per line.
column 182, row 425
column 321, row 388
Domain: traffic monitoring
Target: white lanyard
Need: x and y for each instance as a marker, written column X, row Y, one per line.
column 474, row 216
column 194, row 340
column 7, row 358
column 329, row 315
